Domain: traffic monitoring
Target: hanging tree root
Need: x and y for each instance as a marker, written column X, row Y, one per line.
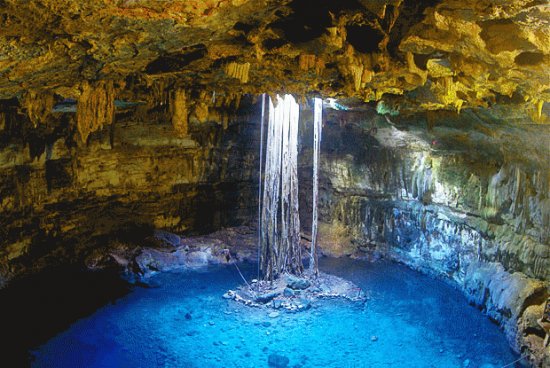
column 294, row 294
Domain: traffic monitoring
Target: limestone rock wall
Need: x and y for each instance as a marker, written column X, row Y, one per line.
column 472, row 206
column 60, row 199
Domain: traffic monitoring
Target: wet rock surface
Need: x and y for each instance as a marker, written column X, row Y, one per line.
column 227, row 246
column 297, row 283
column 291, row 293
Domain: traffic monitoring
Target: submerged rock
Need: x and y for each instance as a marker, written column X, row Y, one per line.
column 266, row 298
column 277, row 361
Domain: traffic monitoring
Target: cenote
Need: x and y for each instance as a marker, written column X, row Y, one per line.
column 279, row 184
column 180, row 320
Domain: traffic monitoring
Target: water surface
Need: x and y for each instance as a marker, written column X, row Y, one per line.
column 410, row 320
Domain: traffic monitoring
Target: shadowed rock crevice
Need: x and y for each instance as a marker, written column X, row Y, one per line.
column 176, row 62
column 364, row 38
column 529, row 58
column 309, row 19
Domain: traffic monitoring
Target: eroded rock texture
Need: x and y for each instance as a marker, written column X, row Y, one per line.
column 61, row 200
column 415, row 55
column 464, row 197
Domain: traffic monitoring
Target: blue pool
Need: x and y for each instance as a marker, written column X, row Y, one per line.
column 410, row 320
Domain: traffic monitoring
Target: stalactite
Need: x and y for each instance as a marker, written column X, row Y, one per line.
column 2, row 121
column 96, row 107
column 306, row 61
column 458, row 105
column 201, row 111
column 225, row 121
column 317, row 129
column 422, row 177
column 336, row 36
column 367, row 76
column 38, row 105
column 357, row 74
column 319, row 66
column 202, row 108
column 237, row 101
column 539, row 104
column 180, row 113
column 239, row 71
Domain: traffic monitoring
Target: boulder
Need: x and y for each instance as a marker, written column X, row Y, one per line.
column 151, row 260
column 505, row 296
column 297, row 283
column 165, row 239
column 199, row 258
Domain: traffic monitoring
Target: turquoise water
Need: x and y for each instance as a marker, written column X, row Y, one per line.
column 410, row 320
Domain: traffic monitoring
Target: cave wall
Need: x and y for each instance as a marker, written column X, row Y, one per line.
column 408, row 197
column 461, row 196
column 464, row 197
column 61, row 199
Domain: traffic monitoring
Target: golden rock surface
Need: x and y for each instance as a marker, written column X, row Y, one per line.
column 414, row 55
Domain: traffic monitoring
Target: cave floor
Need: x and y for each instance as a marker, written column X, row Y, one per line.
column 409, row 320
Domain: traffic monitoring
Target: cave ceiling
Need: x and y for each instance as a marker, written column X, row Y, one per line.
column 412, row 55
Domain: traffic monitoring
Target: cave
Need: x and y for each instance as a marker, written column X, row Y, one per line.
column 250, row 183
